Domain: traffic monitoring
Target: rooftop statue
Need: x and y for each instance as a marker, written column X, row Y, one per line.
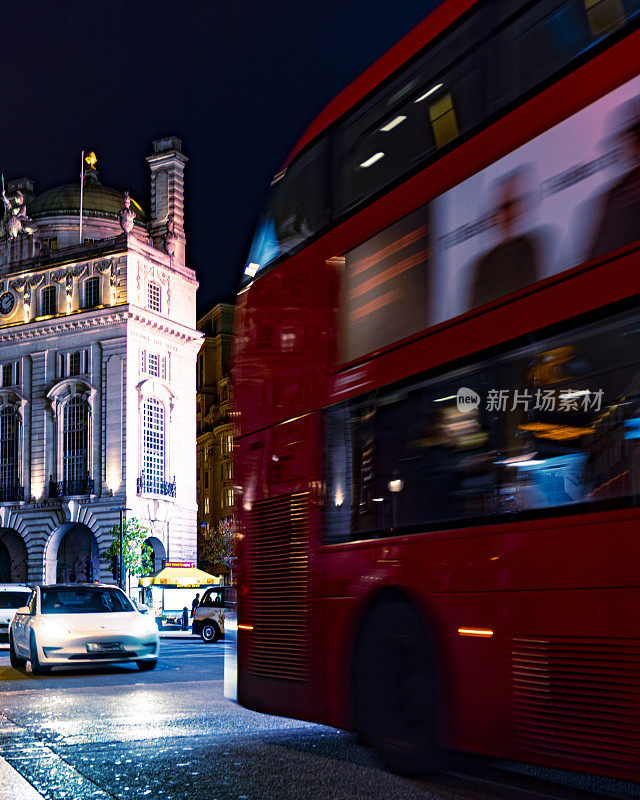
column 127, row 215
column 16, row 220
column 170, row 238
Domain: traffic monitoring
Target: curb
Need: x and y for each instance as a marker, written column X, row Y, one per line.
column 13, row 786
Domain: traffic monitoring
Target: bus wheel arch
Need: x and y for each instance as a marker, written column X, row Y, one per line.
column 395, row 684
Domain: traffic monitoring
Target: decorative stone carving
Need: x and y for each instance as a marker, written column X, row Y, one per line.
column 21, row 285
column 127, row 215
column 165, row 280
column 170, row 238
column 65, row 276
column 103, row 267
column 31, row 283
column 145, row 272
column 78, row 271
column 18, row 284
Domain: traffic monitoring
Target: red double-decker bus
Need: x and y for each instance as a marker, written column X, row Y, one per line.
column 437, row 380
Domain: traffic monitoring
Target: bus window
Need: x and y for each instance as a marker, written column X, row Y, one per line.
column 541, row 428
column 296, row 211
column 534, row 46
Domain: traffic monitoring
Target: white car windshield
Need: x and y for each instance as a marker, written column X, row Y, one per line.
column 83, row 600
column 13, row 599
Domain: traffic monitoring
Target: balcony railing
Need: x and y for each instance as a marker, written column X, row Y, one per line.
column 70, row 487
column 151, row 485
column 11, row 494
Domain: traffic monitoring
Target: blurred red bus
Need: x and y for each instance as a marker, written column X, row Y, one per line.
column 437, row 380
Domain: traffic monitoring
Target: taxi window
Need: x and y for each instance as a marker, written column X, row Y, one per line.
column 213, row 598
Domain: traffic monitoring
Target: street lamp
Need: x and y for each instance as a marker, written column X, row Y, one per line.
column 122, row 510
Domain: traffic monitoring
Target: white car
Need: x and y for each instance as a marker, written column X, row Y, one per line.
column 65, row 624
column 12, row 596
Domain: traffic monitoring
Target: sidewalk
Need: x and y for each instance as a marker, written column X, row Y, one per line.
column 13, row 786
column 178, row 634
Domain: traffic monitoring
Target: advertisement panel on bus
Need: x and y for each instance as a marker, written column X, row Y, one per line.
column 568, row 195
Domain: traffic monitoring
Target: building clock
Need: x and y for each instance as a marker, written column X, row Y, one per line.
column 7, row 302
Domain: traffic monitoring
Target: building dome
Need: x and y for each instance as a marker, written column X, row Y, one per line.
column 98, row 201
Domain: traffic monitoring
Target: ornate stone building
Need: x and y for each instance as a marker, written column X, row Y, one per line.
column 98, row 346
column 215, row 426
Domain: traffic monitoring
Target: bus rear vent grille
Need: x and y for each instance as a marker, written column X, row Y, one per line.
column 279, row 606
column 578, row 699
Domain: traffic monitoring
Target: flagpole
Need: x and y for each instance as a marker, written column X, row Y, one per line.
column 81, row 192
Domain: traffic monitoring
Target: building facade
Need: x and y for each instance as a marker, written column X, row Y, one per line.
column 215, row 426
column 98, row 346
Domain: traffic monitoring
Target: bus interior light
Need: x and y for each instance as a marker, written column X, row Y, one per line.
column 428, row 93
column 251, row 269
column 483, row 633
column 393, row 124
column 370, row 161
column 520, row 459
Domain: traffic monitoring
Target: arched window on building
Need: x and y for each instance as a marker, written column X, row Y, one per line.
column 153, row 446
column 10, row 438
column 72, row 401
column 156, row 403
column 48, row 301
column 75, row 436
column 92, row 292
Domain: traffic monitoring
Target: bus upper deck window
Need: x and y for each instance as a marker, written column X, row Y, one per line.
column 297, row 209
column 443, row 120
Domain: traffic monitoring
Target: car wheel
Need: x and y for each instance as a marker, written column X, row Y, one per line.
column 147, row 666
column 395, row 689
column 36, row 667
column 14, row 658
column 210, row 632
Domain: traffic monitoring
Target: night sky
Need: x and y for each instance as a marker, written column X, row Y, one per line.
column 238, row 82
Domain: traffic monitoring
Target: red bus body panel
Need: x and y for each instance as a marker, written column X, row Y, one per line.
column 555, row 590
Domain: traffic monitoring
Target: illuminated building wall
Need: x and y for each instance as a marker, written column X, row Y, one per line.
column 98, row 345
column 215, row 428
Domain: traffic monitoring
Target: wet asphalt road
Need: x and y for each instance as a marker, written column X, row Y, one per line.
column 169, row 734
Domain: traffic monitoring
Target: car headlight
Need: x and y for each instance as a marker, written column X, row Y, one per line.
column 53, row 628
column 145, row 626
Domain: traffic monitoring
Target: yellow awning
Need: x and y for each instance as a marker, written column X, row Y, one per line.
column 180, row 577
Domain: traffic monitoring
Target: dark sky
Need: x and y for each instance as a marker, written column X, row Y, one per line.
column 238, row 82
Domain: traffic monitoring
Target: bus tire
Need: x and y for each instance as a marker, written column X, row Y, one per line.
column 210, row 632
column 395, row 689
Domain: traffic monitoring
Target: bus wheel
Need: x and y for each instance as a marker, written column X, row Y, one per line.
column 395, row 689
column 210, row 632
